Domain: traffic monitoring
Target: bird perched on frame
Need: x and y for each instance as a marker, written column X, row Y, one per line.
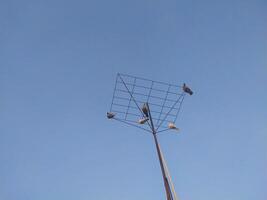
column 145, row 110
column 187, row 89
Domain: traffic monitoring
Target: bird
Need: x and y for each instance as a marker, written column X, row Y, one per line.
column 110, row 115
column 143, row 120
column 145, row 110
column 172, row 126
column 187, row 89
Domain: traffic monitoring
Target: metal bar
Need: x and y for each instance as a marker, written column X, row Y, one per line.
column 148, row 96
column 130, row 100
column 169, row 112
column 179, row 108
column 133, row 114
column 134, row 100
column 114, row 92
column 168, row 175
column 115, row 104
column 166, row 129
column 132, row 124
column 166, row 184
column 150, row 80
column 152, row 96
column 163, row 103
column 116, row 111
column 123, row 98
column 159, row 90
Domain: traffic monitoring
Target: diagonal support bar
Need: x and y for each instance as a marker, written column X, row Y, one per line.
column 182, row 96
column 133, row 98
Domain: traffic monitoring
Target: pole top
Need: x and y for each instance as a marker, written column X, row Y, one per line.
column 146, row 104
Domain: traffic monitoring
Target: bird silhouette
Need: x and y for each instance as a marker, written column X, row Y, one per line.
column 187, row 89
column 145, row 110
column 110, row 115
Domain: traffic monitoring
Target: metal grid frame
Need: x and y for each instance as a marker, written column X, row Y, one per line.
column 131, row 92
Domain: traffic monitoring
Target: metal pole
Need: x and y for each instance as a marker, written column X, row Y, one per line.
column 165, row 179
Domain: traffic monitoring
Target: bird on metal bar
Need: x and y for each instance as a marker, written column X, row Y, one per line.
column 143, row 120
column 172, row 126
column 110, row 115
column 187, row 89
column 145, row 110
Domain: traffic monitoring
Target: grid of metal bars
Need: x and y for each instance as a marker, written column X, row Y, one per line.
column 130, row 93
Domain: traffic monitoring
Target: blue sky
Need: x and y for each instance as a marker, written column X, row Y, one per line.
column 58, row 63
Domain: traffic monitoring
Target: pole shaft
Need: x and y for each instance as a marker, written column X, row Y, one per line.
column 165, row 179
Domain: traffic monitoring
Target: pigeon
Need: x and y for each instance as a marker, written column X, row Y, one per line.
column 187, row 89
column 172, row 126
column 143, row 120
column 144, row 109
column 110, row 115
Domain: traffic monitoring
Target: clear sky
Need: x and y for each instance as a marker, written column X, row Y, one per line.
column 58, row 63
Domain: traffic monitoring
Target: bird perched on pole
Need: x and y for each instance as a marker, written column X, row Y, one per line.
column 187, row 89
column 145, row 110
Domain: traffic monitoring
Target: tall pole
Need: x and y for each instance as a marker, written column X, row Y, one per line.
column 164, row 176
